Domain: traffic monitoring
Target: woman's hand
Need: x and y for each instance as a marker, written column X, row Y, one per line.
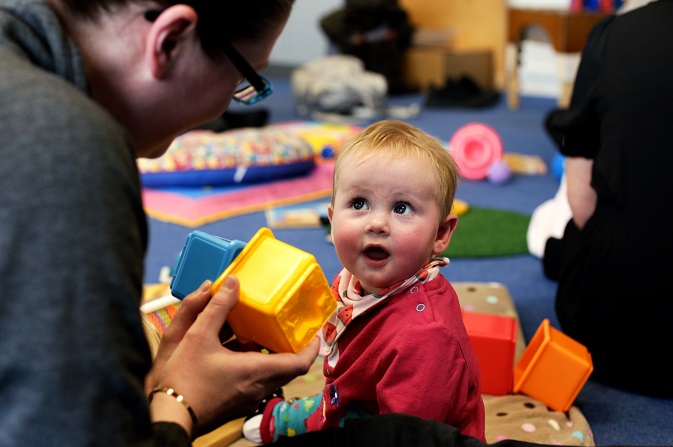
column 219, row 384
column 190, row 307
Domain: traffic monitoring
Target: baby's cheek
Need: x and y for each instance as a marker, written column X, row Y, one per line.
column 346, row 244
column 417, row 250
column 342, row 241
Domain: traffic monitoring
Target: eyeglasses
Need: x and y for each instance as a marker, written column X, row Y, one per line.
column 253, row 88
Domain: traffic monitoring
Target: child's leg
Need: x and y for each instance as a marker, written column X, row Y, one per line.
column 253, row 422
column 287, row 418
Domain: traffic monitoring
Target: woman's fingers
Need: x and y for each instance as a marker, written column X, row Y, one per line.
column 213, row 318
column 189, row 309
column 276, row 370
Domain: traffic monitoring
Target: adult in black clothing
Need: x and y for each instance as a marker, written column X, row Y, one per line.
column 614, row 263
column 378, row 32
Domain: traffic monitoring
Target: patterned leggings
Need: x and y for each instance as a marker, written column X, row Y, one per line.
column 288, row 418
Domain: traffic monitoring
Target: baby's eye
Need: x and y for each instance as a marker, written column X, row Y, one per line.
column 402, row 208
column 359, row 204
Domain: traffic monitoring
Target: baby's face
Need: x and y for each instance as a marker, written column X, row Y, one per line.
column 385, row 219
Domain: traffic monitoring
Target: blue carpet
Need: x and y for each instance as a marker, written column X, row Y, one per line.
column 616, row 417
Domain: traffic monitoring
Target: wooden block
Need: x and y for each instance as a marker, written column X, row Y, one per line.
column 222, row 436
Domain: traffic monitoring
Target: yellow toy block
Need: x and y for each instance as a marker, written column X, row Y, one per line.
column 553, row 368
column 285, row 298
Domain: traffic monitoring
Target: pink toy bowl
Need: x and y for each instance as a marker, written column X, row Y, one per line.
column 475, row 147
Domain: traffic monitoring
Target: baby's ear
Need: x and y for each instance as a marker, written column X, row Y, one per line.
column 444, row 233
column 330, row 213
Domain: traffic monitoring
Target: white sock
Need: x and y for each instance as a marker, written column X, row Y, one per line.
column 251, row 430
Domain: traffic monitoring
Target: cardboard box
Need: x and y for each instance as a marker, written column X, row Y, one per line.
column 425, row 65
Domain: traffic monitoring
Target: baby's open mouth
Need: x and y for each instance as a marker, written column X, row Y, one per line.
column 376, row 253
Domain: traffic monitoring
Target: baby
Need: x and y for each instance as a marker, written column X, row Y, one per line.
column 397, row 342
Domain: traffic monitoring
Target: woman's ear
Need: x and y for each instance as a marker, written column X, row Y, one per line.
column 170, row 35
column 444, row 233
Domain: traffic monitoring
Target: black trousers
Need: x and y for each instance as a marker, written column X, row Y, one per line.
column 616, row 302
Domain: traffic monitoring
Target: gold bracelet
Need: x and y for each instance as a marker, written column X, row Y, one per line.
column 180, row 398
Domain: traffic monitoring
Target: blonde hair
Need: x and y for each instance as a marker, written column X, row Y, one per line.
column 403, row 140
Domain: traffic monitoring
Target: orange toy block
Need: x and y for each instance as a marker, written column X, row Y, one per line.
column 493, row 339
column 285, row 298
column 553, row 368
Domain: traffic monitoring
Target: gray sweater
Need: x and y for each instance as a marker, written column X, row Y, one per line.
column 73, row 236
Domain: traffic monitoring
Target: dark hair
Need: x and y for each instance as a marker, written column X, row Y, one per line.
column 219, row 20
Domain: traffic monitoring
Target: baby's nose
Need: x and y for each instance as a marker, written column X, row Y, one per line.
column 378, row 224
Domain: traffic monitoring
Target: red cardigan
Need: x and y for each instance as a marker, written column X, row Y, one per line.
column 411, row 355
